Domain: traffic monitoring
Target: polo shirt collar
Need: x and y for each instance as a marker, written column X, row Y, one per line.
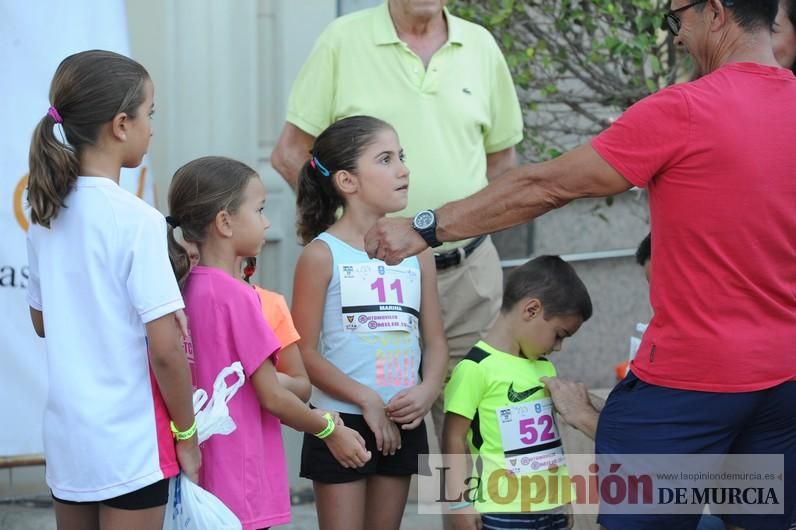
column 384, row 30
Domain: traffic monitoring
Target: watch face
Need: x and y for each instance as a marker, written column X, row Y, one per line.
column 424, row 220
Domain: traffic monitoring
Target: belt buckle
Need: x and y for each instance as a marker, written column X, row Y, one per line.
column 462, row 255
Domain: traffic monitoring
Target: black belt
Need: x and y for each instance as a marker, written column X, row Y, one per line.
column 446, row 260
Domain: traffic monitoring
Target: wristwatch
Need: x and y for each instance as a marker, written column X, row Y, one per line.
column 425, row 224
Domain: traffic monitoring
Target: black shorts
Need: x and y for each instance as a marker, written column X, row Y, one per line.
column 318, row 464
column 151, row 496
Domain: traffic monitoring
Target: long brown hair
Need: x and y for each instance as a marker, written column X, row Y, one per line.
column 89, row 88
column 336, row 149
column 198, row 191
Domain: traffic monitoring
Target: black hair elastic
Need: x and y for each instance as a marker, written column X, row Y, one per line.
column 172, row 221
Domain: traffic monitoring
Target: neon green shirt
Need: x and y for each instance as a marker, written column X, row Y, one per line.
column 513, row 431
column 448, row 116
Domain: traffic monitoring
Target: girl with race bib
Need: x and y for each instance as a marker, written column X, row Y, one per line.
column 365, row 326
column 218, row 204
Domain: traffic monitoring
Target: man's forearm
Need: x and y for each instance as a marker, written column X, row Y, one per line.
column 515, row 197
column 518, row 196
column 291, row 152
column 585, row 421
column 289, row 167
column 528, row 191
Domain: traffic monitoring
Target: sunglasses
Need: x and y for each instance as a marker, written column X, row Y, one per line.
column 672, row 22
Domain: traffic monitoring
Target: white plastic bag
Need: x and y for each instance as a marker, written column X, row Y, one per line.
column 213, row 417
column 192, row 508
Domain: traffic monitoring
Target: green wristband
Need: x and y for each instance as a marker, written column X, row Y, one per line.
column 183, row 435
column 329, row 427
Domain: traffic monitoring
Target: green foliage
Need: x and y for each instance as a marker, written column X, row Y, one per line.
column 577, row 64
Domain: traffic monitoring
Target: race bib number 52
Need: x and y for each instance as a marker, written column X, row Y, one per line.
column 530, row 438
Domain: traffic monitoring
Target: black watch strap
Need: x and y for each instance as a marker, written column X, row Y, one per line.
column 425, row 224
column 429, row 235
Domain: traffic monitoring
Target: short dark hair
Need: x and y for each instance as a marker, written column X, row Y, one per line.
column 554, row 282
column 644, row 250
column 751, row 15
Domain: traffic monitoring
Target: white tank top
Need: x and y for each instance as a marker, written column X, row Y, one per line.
column 370, row 325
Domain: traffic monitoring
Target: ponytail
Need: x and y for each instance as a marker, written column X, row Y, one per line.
column 87, row 91
column 317, row 202
column 178, row 255
column 199, row 190
column 53, row 172
column 337, row 148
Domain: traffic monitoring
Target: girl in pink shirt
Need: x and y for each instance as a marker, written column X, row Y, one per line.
column 219, row 203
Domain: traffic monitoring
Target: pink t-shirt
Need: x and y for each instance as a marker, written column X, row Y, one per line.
column 245, row 469
column 717, row 158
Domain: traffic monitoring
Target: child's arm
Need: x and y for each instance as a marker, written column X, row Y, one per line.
column 454, row 452
column 37, row 319
column 170, row 367
column 409, row 406
column 345, row 444
column 290, row 368
column 312, row 277
column 291, row 372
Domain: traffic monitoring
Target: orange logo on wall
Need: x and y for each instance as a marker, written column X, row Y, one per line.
column 19, row 207
column 19, row 195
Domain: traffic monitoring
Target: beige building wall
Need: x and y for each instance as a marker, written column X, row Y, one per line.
column 222, row 73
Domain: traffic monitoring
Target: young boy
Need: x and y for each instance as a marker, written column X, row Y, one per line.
column 496, row 404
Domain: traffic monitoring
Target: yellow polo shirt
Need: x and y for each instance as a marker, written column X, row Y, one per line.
column 448, row 116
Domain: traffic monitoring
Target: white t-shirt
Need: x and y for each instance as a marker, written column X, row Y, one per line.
column 98, row 275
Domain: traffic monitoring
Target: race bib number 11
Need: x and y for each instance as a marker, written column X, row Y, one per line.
column 377, row 297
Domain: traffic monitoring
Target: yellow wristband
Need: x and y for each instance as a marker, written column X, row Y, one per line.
column 329, row 427
column 183, row 435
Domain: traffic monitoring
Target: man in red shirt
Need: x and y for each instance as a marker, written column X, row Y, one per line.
column 716, row 371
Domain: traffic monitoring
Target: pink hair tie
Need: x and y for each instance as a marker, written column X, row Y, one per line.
column 54, row 115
